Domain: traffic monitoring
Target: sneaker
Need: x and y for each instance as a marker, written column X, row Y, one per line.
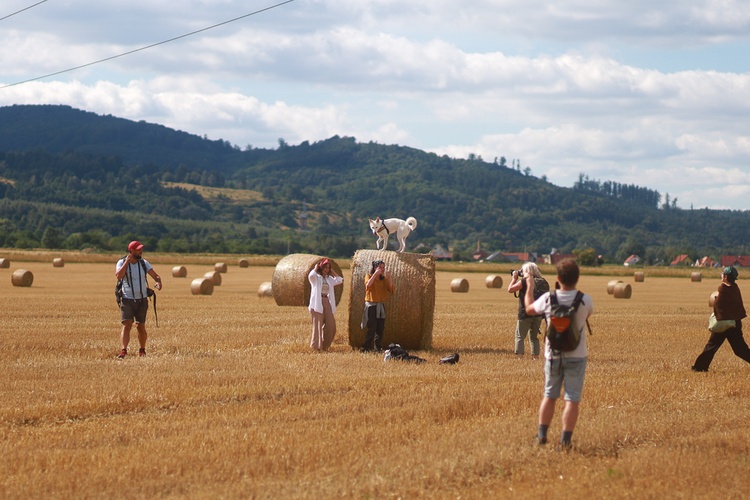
column 541, row 441
column 141, row 352
column 122, row 354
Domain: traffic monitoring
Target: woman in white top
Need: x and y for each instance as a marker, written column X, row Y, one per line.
column 323, row 304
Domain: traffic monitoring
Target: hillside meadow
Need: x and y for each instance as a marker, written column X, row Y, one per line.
column 230, row 402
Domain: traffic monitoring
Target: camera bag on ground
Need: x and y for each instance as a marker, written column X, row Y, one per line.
column 149, row 291
column 563, row 333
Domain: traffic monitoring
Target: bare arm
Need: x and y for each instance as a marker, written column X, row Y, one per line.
column 515, row 283
column 156, row 277
column 528, row 298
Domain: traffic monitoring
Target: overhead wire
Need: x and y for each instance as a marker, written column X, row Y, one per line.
column 265, row 9
column 19, row 11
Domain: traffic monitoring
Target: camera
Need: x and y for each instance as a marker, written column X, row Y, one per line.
column 520, row 273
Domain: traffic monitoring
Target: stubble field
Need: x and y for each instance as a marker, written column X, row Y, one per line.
column 230, row 402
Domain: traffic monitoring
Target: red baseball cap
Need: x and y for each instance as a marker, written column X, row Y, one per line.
column 135, row 245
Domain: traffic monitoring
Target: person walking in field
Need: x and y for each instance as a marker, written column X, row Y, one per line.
column 527, row 325
column 323, row 304
column 727, row 306
column 132, row 270
column 378, row 286
column 562, row 368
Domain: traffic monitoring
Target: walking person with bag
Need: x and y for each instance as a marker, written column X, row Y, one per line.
column 323, row 304
column 727, row 306
column 527, row 325
column 132, row 271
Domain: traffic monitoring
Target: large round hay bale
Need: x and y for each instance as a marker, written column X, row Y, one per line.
column 58, row 262
column 696, row 276
column 243, row 263
column 265, row 289
column 611, row 286
column 639, row 276
column 460, row 285
column 179, row 271
column 220, row 267
column 494, row 281
column 290, row 284
column 22, row 277
column 214, row 276
column 202, row 286
column 4, row 263
column 712, row 299
column 409, row 311
column 622, row 291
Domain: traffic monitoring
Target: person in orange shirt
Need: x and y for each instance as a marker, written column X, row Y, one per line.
column 378, row 286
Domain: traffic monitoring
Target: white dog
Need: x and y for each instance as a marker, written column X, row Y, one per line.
column 384, row 228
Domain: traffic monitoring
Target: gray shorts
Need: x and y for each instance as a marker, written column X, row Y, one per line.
column 567, row 371
column 134, row 310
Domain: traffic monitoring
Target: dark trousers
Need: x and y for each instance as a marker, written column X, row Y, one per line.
column 375, row 328
column 736, row 340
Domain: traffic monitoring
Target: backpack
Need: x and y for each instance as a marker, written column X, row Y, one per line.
column 395, row 351
column 563, row 333
column 540, row 287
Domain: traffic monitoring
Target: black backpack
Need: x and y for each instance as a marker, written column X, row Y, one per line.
column 563, row 333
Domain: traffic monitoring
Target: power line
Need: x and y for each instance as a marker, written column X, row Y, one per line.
column 19, row 11
column 147, row 46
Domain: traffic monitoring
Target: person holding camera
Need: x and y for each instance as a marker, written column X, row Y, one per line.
column 132, row 271
column 323, row 304
column 378, row 285
column 526, row 324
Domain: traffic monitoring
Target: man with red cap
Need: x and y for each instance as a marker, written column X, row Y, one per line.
column 132, row 271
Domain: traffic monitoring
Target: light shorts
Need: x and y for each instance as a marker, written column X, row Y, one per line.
column 570, row 371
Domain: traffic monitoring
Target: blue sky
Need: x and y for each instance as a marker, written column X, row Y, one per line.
column 655, row 94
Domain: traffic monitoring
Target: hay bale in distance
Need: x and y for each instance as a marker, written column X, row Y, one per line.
column 58, row 262
column 290, row 284
column 493, row 281
column 265, row 289
column 696, row 276
column 639, row 276
column 214, row 276
column 409, row 311
column 202, row 286
column 220, row 267
column 611, row 286
column 22, row 277
column 4, row 263
column 179, row 271
column 243, row 263
column 622, row 291
column 460, row 285
column 712, row 299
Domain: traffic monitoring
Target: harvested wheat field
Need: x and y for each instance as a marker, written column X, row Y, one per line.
column 230, row 402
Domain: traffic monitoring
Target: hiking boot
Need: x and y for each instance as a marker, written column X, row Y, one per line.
column 142, row 352
column 122, row 354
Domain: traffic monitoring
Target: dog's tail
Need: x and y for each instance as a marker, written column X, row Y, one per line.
column 412, row 223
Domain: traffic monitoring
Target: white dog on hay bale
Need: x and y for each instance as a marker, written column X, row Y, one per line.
column 384, row 228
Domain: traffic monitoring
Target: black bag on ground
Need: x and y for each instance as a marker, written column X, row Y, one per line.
column 395, row 351
column 563, row 333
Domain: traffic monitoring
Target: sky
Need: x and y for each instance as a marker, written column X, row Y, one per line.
column 655, row 94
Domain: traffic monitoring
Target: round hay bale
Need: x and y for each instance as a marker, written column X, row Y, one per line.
column 179, row 271
column 611, row 286
column 58, row 262
column 696, row 276
column 4, row 263
column 712, row 299
column 202, row 286
column 460, row 285
column 639, row 276
column 409, row 311
column 220, row 267
column 265, row 289
column 290, row 284
column 22, row 277
column 243, row 263
column 493, row 281
column 214, row 276
column 622, row 291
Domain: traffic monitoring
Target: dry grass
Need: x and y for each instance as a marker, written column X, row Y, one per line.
column 231, row 403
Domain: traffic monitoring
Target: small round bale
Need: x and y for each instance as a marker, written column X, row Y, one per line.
column 220, row 267
column 214, row 276
column 243, row 263
column 460, row 285
column 493, row 281
column 265, row 289
column 696, row 276
column 22, row 277
column 712, row 299
column 290, row 284
column 58, row 262
column 409, row 311
column 202, row 286
column 179, row 271
column 639, row 276
column 4, row 263
column 611, row 286
column 622, row 291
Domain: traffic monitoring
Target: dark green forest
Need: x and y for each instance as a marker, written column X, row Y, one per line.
column 71, row 179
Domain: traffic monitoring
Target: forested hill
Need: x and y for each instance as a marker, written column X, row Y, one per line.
column 74, row 179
